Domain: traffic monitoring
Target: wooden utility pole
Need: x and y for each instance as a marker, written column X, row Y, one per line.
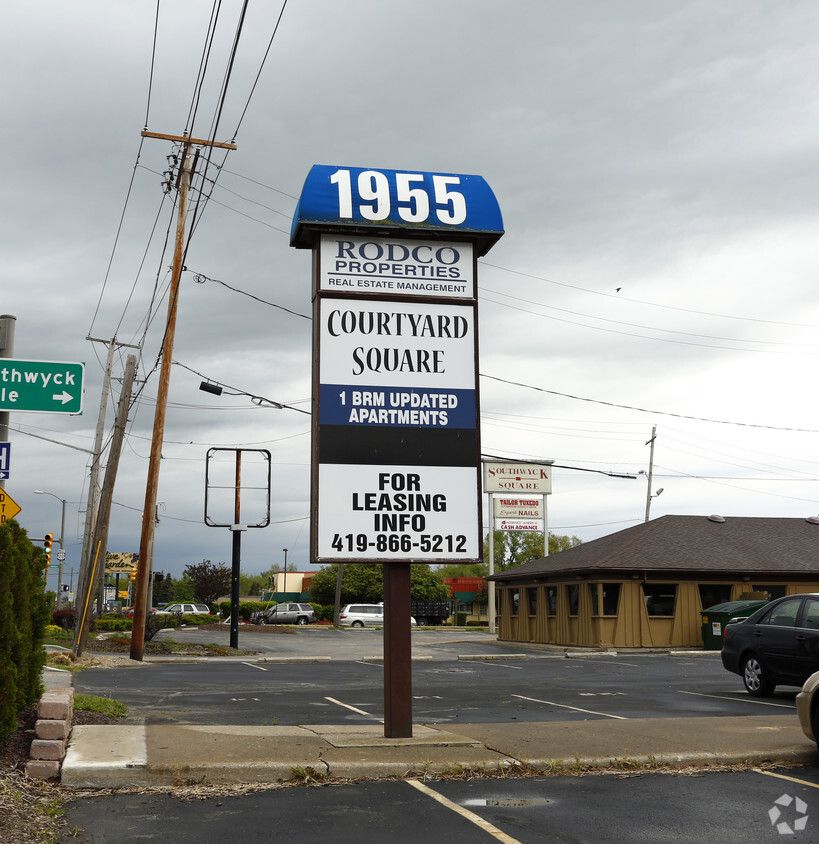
column 146, row 542
column 96, row 573
column 92, row 505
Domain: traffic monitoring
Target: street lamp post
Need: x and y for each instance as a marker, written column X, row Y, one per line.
column 284, row 582
column 61, row 552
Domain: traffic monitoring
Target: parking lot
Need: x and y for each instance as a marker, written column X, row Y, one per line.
column 457, row 678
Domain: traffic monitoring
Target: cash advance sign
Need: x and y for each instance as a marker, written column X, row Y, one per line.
column 396, row 450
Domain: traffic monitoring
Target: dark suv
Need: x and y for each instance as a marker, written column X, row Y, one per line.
column 285, row 614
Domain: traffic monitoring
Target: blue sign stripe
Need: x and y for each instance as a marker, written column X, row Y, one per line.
column 346, row 404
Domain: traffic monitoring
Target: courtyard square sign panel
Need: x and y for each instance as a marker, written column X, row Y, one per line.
column 396, row 450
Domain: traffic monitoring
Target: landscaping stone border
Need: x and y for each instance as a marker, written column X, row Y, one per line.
column 51, row 730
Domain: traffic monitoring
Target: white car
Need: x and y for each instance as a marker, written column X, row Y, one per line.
column 807, row 707
column 363, row 615
column 184, row 609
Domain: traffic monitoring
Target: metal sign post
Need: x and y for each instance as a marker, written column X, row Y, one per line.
column 396, row 443
column 217, row 499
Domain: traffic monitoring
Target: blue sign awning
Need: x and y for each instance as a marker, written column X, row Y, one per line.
column 361, row 200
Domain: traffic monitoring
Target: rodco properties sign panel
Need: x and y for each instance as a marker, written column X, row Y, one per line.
column 395, row 436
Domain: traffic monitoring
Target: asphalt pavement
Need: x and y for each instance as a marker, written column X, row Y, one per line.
column 139, row 755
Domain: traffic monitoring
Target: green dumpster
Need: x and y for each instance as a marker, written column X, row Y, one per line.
column 715, row 618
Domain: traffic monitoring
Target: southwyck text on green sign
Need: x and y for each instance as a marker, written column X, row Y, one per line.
column 41, row 386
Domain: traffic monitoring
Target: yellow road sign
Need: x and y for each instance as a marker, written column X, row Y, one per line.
column 9, row 508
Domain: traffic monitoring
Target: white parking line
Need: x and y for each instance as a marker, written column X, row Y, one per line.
column 783, row 777
column 748, row 699
column 252, row 665
column 353, row 708
column 464, row 813
column 502, row 665
column 575, row 708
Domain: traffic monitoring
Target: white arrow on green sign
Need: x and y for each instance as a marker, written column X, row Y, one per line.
column 41, row 386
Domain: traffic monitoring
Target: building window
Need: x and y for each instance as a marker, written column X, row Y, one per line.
column 551, row 600
column 574, row 598
column 515, row 601
column 608, row 594
column 712, row 594
column 594, row 597
column 660, row 598
column 774, row 591
column 611, row 597
column 531, row 595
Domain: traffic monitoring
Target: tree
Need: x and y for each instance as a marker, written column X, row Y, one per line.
column 427, row 584
column 251, row 584
column 465, row 569
column 515, row 547
column 164, row 590
column 209, row 581
column 364, row 583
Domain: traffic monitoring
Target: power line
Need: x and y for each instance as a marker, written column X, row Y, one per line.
column 646, row 327
column 646, row 410
column 642, row 302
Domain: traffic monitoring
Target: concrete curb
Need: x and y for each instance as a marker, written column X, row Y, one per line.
column 491, row 657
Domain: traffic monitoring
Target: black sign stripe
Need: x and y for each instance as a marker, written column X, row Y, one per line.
column 392, row 446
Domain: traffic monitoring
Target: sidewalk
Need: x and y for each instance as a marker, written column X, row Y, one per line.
column 146, row 755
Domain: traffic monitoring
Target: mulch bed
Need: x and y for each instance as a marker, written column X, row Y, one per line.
column 15, row 752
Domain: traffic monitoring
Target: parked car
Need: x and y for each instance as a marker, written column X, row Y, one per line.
column 363, row 615
column 285, row 613
column 184, row 609
column 776, row 645
column 807, row 707
column 128, row 612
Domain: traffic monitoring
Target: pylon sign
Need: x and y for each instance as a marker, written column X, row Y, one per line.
column 396, row 447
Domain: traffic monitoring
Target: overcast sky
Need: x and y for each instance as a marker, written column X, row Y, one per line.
column 654, row 163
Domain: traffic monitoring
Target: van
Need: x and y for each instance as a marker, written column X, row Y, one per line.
column 363, row 615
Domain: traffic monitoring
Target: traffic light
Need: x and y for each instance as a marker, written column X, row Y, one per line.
column 47, row 543
column 132, row 578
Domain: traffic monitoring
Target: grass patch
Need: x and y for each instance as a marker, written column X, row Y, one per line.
column 104, row 705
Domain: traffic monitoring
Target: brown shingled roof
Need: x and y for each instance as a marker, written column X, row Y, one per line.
column 690, row 543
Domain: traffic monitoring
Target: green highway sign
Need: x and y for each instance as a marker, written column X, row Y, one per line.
column 41, row 386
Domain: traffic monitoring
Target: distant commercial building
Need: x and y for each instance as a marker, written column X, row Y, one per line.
column 646, row 586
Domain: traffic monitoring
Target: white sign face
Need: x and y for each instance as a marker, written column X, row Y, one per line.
column 517, row 478
column 519, row 524
column 392, row 265
column 367, row 343
column 518, row 508
column 377, row 512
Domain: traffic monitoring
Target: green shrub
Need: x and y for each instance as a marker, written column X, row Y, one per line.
column 197, row 620
column 247, row 607
column 24, row 614
column 108, row 623
column 324, row 612
column 54, row 631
